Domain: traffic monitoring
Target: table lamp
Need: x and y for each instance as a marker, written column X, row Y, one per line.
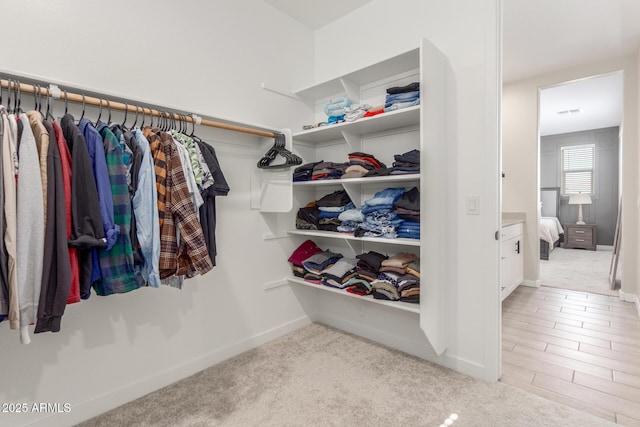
column 580, row 199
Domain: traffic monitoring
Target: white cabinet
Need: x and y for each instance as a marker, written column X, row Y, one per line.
column 511, row 258
column 417, row 329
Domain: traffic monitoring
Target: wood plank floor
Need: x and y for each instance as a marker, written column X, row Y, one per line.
column 576, row 348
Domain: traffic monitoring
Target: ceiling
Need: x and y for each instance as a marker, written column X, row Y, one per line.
column 317, row 14
column 539, row 37
column 598, row 99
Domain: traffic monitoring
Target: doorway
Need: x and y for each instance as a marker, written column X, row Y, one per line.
column 579, row 165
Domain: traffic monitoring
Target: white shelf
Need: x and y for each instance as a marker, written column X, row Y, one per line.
column 398, row 305
column 348, row 236
column 407, row 61
column 391, row 179
column 367, row 125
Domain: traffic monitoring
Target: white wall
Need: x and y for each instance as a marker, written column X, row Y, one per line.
column 520, row 151
column 211, row 57
column 467, row 32
column 203, row 56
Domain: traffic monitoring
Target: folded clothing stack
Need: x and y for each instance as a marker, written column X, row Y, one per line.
column 379, row 218
column 367, row 271
column 330, row 207
column 355, row 112
column 399, row 97
column 339, row 274
column 406, row 163
column 328, row 170
column 306, row 250
column 366, row 160
column 407, row 207
column 335, row 109
column 304, row 172
column 307, row 217
column 395, row 282
column 316, row 265
column 350, row 219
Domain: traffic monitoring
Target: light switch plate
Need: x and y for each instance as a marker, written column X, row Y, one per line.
column 472, row 205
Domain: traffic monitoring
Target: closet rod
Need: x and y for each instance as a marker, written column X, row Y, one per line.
column 132, row 108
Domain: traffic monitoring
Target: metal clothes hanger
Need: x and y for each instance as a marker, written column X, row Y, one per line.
column 49, row 115
column 279, row 149
column 109, row 108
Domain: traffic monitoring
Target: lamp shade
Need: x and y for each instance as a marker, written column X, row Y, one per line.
column 580, row 199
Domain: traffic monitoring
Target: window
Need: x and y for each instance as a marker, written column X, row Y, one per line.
column 578, row 169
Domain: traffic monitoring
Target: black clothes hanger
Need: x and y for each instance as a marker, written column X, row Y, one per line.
column 9, row 89
column 135, row 121
column 66, row 102
column 83, row 106
column 124, row 122
column 99, row 114
column 109, row 108
column 279, row 149
column 18, row 109
column 143, row 118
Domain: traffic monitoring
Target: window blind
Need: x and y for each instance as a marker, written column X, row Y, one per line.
column 578, row 169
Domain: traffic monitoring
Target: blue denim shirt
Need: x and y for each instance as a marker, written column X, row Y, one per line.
column 145, row 208
column 95, row 148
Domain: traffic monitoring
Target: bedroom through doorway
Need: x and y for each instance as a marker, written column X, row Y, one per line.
column 579, row 175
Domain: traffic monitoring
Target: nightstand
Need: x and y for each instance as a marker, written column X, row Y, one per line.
column 580, row 236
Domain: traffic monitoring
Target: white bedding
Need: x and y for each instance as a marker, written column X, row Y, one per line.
column 550, row 230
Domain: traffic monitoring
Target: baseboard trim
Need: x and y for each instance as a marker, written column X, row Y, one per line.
column 103, row 403
column 631, row 298
column 531, row 283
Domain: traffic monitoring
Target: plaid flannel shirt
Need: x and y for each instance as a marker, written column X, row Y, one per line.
column 192, row 255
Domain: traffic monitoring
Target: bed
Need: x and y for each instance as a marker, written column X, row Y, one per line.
column 550, row 229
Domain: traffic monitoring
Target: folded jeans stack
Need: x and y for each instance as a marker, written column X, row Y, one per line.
column 407, row 207
column 350, row 219
column 379, row 218
column 402, row 97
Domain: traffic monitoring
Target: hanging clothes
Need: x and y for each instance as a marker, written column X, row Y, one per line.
column 219, row 187
column 192, row 255
column 30, row 230
column 56, row 269
column 145, row 208
column 88, row 231
column 9, row 170
column 116, row 262
column 65, row 161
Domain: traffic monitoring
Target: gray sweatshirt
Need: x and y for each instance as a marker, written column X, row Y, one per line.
column 30, row 233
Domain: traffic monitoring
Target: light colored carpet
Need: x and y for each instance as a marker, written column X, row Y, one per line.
column 578, row 270
column 318, row 376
